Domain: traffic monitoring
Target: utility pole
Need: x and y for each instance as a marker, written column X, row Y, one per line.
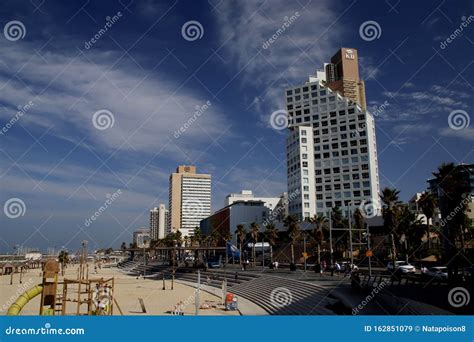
column 330, row 238
column 304, row 250
column 197, row 300
column 350, row 237
column 368, row 248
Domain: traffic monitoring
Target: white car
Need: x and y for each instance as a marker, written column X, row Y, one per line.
column 401, row 266
column 439, row 272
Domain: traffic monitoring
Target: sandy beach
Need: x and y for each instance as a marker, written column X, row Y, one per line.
column 127, row 292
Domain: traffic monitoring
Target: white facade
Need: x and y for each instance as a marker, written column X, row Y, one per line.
column 331, row 144
column 158, row 222
column 141, row 237
column 247, row 195
column 195, row 203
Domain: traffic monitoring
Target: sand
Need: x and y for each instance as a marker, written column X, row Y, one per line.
column 128, row 290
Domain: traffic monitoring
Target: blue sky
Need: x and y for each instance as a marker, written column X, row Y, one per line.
column 150, row 78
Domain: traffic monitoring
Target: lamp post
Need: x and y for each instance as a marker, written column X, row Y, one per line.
column 304, row 250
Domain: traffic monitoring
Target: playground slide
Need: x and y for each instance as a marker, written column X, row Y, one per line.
column 25, row 297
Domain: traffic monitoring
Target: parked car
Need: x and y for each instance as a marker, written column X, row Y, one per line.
column 401, row 266
column 439, row 272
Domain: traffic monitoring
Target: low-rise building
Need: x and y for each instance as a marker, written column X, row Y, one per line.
column 141, row 237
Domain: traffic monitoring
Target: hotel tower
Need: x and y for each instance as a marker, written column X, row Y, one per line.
column 331, row 146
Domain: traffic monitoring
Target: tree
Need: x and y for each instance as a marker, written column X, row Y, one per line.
column 271, row 233
column 390, row 208
column 318, row 234
column 198, row 236
column 293, row 232
column 427, row 203
column 359, row 224
column 453, row 196
column 254, row 228
column 63, row 259
column 241, row 233
column 123, row 247
column 338, row 221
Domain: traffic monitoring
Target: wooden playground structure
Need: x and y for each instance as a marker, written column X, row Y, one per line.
column 80, row 296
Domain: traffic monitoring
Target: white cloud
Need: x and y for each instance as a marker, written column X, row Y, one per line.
column 465, row 133
column 297, row 52
column 67, row 90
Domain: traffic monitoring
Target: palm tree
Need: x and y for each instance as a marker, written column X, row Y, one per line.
column 359, row 224
column 318, row 233
column 198, row 235
column 123, row 246
column 271, row 232
column 293, row 232
column 254, row 228
column 241, row 233
column 427, row 203
column 390, row 208
column 63, row 259
column 453, row 190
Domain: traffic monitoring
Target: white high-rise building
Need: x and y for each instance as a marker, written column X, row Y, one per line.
column 331, row 146
column 158, row 222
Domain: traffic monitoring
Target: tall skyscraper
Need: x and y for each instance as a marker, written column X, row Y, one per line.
column 158, row 222
column 331, row 146
column 189, row 199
